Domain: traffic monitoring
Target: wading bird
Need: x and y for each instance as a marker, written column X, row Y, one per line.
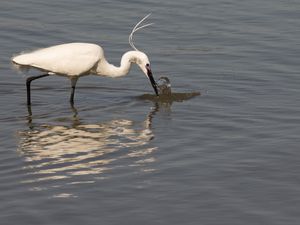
column 74, row 60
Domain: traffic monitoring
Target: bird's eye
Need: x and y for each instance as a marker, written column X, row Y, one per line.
column 147, row 64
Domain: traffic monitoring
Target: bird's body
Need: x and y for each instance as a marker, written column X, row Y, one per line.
column 74, row 60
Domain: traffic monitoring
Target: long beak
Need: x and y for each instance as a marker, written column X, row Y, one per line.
column 153, row 83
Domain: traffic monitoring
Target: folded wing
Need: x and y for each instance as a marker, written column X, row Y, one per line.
column 66, row 59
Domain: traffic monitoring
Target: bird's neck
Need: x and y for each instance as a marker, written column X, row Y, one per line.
column 104, row 68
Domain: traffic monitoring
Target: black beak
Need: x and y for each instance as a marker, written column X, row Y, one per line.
column 150, row 76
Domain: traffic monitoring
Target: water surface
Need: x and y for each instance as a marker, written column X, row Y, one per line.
column 227, row 156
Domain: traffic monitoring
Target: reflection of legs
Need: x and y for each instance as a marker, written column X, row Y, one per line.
column 73, row 83
column 28, row 82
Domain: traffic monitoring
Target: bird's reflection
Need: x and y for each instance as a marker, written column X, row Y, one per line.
column 64, row 152
column 56, row 152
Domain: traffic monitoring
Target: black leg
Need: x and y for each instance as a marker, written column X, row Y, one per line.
column 72, row 95
column 73, row 83
column 28, row 82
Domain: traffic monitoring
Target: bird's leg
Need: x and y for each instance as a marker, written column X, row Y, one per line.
column 73, row 84
column 29, row 117
column 28, row 82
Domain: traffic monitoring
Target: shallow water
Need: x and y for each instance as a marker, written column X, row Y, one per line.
column 124, row 156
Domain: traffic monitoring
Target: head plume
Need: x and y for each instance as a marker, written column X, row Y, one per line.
column 136, row 28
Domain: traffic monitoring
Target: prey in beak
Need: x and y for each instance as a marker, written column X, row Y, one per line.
column 150, row 76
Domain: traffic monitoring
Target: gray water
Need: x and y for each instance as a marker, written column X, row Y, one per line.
column 227, row 156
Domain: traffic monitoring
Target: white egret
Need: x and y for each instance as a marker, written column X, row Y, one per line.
column 74, row 60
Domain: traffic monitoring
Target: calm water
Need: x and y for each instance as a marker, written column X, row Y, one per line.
column 228, row 156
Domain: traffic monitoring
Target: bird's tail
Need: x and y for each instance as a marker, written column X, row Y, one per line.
column 20, row 63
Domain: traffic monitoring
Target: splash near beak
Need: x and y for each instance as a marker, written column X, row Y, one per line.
column 150, row 76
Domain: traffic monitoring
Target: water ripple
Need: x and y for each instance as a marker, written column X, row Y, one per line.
column 61, row 152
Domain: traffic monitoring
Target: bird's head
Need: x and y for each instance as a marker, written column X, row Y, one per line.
column 142, row 60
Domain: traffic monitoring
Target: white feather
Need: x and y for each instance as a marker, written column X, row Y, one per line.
column 66, row 59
